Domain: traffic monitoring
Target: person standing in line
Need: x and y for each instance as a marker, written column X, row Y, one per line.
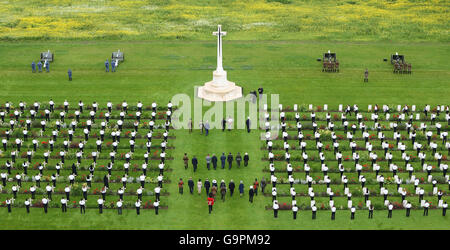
column 371, row 211
column 156, row 207
column 256, row 186
column 27, row 205
column 119, row 206
column 390, row 207
column 186, row 161
column 223, row 159
column 206, row 125
column 263, row 184
column 191, row 185
column 238, row 159
column 208, row 162
column 294, row 211
column 230, row 160
column 194, row 163
column 138, row 206
column 275, row 208
column 45, row 203
column 231, row 187
column 199, row 186
column 246, row 159
column 366, row 75
column 241, row 188
column 250, row 194
column 69, row 73
column 100, row 205
column 314, row 211
column 210, row 203
column 82, row 206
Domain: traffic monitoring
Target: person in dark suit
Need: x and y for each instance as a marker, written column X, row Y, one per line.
column 230, row 160
column 224, row 122
column 247, row 124
column 223, row 158
column 231, row 187
column 191, row 185
column 69, row 73
column 194, row 163
column 207, row 186
column 214, row 161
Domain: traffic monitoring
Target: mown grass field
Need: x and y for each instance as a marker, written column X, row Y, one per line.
column 155, row 71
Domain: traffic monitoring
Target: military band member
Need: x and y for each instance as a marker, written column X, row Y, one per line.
column 100, row 205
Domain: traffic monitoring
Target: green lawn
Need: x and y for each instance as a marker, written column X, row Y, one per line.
column 157, row 70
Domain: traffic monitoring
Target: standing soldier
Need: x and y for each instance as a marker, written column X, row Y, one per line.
column 33, row 67
column 366, row 75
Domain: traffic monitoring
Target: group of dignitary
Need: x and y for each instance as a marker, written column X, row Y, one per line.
column 405, row 116
column 14, row 144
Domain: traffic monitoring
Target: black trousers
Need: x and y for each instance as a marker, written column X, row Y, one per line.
column 64, row 208
column 444, row 211
column 82, row 209
column 119, row 210
column 138, row 210
column 156, row 210
column 408, row 210
column 425, row 211
column 100, row 208
column 352, row 216
column 191, row 189
column 275, row 213
column 295, row 215
column 370, row 214
column 313, row 215
column 45, row 208
column 210, row 208
column 390, row 214
column 333, row 215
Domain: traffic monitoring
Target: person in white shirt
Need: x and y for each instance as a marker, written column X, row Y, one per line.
column 390, row 207
column 100, row 205
column 333, row 213
column 45, row 203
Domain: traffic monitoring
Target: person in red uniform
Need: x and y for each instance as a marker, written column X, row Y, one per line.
column 210, row 202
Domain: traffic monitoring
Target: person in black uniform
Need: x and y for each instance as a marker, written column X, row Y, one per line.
column 214, row 161
column 207, row 186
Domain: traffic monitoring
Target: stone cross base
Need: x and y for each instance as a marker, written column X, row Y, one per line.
column 219, row 89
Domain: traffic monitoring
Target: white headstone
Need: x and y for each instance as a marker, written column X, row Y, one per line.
column 340, row 107
column 399, row 108
column 325, row 107
column 295, row 107
column 413, row 108
column 265, row 107
column 310, row 106
column 442, row 107
column 369, row 108
column 280, row 106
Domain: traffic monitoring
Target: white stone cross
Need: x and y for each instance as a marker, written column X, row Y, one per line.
column 219, row 33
